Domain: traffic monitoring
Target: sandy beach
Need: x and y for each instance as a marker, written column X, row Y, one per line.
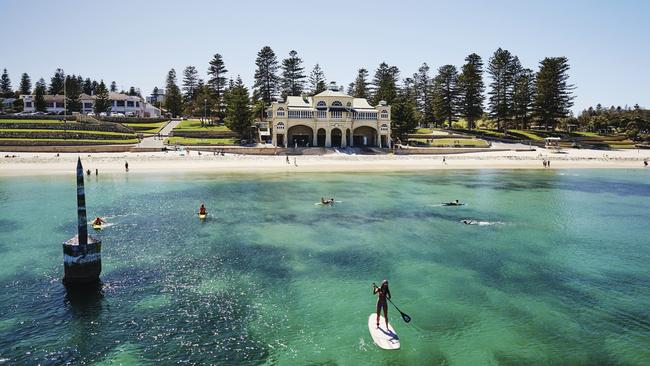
column 173, row 161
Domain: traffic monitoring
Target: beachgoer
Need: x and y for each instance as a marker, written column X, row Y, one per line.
column 126, row 166
column 383, row 293
column 96, row 171
column 288, row 162
column 544, row 163
column 88, row 171
column 295, row 162
column 444, row 160
column 645, row 162
column 202, row 209
column 548, row 164
column 98, row 221
column 457, row 203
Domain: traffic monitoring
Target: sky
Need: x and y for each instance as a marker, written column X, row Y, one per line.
column 136, row 43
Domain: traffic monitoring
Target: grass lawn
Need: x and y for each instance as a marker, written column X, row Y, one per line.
column 99, row 142
column 452, row 142
column 32, row 121
column 528, row 134
column 194, row 141
column 146, row 127
column 118, row 134
column 195, row 125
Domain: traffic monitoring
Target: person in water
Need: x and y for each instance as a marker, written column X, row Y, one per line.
column 98, row 221
column 202, row 210
column 383, row 295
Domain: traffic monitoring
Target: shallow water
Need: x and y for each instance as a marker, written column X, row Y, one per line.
column 556, row 271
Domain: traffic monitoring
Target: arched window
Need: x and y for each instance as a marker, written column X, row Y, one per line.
column 280, row 112
column 280, row 126
column 384, row 114
column 321, row 104
column 336, row 103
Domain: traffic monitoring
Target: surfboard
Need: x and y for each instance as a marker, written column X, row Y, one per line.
column 383, row 338
column 202, row 217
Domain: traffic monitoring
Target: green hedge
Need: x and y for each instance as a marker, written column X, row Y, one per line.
column 106, row 127
column 44, row 117
column 128, row 120
column 62, row 142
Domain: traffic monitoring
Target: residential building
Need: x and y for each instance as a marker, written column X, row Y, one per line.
column 329, row 119
column 119, row 103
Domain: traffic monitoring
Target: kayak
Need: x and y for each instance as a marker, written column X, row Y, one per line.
column 383, row 337
column 453, row 204
column 97, row 226
column 203, row 216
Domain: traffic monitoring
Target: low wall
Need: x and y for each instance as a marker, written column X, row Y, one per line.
column 68, row 149
column 132, row 119
column 442, row 151
column 44, row 117
column 240, row 150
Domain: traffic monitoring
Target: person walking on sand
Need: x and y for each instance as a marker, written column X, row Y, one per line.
column 126, row 166
column 288, row 162
column 444, row 160
column 548, row 164
column 96, row 171
column 383, row 293
column 295, row 161
column 645, row 163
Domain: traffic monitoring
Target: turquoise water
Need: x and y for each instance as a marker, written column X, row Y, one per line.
column 557, row 272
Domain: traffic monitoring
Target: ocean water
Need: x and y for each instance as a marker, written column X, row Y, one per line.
column 555, row 271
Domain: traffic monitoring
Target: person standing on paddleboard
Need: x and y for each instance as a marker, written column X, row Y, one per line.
column 382, row 294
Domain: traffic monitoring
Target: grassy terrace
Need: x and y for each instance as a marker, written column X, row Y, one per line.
column 200, row 141
column 20, row 141
column 154, row 127
column 451, row 142
column 27, row 130
column 31, row 121
column 194, row 125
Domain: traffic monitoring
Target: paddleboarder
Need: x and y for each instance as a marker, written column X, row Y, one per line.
column 202, row 210
column 383, row 293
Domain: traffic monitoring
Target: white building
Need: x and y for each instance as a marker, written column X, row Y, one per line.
column 329, row 119
column 119, row 103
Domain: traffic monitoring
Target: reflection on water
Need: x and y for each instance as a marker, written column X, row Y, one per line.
column 553, row 272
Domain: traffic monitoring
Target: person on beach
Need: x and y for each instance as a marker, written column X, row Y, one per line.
column 202, row 210
column 88, row 172
column 288, row 162
column 383, row 293
column 645, row 163
column 548, row 164
column 126, row 166
column 444, row 160
column 96, row 171
column 544, row 163
column 295, row 161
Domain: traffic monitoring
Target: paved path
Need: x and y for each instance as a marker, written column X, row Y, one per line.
column 155, row 142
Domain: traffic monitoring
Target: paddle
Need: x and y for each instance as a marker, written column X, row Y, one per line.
column 405, row 317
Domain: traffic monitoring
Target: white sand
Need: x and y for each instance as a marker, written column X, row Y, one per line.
column 172, row 162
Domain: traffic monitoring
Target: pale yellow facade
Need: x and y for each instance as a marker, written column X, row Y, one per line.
column 329, row 119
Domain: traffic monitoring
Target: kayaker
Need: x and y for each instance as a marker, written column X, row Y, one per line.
column 98, row 221
column 383, row 293
column 202, row 210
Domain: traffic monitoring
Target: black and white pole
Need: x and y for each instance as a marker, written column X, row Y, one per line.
column 82, row 260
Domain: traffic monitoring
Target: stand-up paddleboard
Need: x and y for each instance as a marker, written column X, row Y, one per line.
column 97, row 227
column 384, row 338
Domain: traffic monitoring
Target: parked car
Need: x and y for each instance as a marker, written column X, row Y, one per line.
column 130, row 114
column 117, row 114
column 103, row 114
column 91, row 114
column 23, row 114
column 38, row 114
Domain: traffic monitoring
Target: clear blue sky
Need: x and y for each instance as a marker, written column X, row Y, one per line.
column 137, row 42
